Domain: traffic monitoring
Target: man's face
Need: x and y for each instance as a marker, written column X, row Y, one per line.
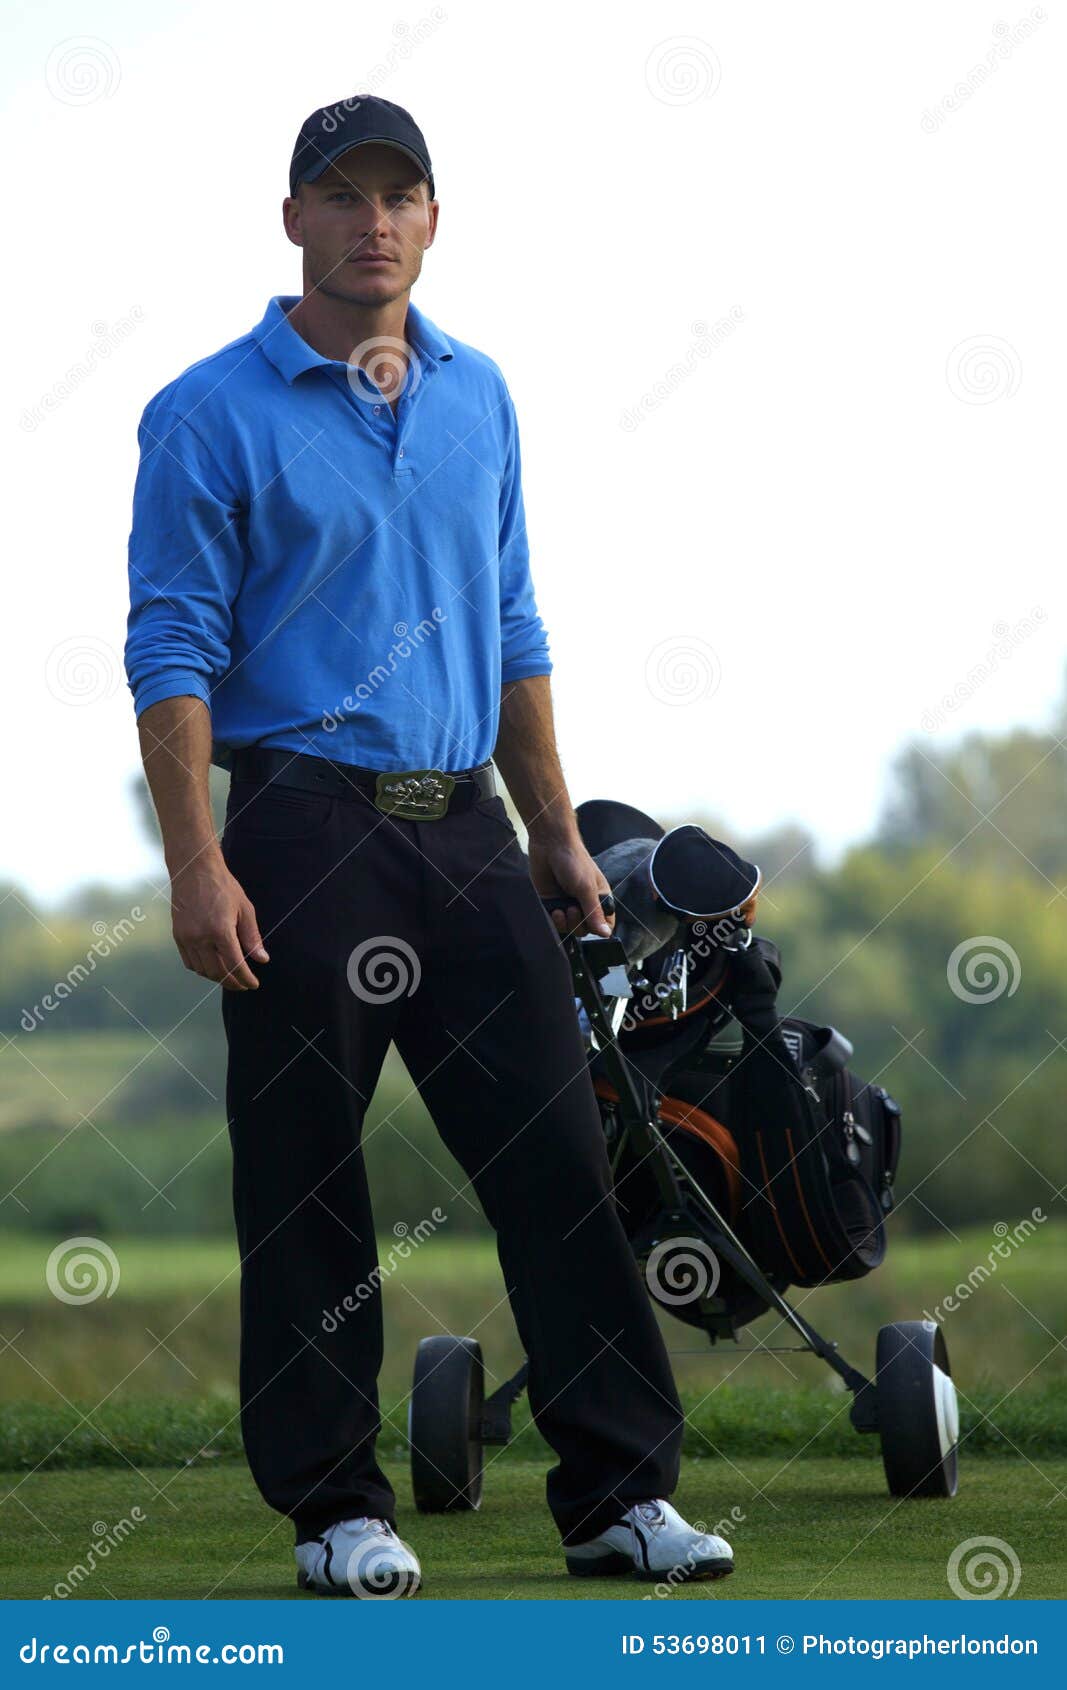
column 363, row 225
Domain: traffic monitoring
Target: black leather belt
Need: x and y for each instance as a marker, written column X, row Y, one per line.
column 411, row 794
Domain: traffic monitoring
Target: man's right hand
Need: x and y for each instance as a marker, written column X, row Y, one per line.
column 215, row 926
column 214, row 923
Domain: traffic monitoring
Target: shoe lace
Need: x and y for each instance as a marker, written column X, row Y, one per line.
column 651, row 1515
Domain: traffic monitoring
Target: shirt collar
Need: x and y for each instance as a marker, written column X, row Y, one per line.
column 291, row 354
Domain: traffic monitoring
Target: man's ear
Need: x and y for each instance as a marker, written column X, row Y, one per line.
column 291, row 209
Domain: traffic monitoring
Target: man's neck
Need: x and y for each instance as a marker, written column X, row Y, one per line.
column 336, row 328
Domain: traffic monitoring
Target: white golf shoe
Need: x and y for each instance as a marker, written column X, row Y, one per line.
column 359, row 1557
column 653, row 1542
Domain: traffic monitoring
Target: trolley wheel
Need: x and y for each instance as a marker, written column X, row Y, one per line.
column 445, row 1425
column 918, row 1415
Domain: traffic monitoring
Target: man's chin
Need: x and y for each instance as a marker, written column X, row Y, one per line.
column 375, row 287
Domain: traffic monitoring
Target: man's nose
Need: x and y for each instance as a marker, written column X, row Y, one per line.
column 373, row 214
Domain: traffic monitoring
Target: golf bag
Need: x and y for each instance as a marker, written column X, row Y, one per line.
column 796, row 1151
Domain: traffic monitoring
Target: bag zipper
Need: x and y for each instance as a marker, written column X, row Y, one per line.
column 853, row 1129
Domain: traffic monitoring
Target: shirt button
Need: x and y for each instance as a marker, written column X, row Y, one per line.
column 400, row 454
column 377, row 410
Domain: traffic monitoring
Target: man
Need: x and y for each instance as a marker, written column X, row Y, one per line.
column 331, row 597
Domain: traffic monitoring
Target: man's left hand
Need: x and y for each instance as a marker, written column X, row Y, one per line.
column 565, row 868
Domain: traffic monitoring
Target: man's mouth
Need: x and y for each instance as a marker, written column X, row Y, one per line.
column 371, row 258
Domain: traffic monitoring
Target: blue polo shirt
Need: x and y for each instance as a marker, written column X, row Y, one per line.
column 327, row 577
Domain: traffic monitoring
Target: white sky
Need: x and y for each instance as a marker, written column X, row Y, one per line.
column 818, row 511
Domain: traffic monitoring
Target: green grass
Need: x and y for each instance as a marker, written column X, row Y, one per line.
column 730, row 1422
column 185, row 1291
column 815, row 1528
column 66, row 1075
column 768, row 1436
column 113, row 1132
column 149, row 1268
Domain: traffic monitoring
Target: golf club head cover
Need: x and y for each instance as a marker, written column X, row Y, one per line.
column 754, row 996
column 643, row 924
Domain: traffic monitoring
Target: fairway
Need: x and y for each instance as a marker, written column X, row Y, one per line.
column 814, row 1528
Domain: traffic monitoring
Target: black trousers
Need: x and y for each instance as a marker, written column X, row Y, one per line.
column 430, row 934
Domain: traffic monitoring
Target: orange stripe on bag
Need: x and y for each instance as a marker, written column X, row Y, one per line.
column 803, row 1204
column 701, row 1125
column 769, row 1194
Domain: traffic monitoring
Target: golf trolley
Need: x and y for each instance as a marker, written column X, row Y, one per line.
column 723, row 1210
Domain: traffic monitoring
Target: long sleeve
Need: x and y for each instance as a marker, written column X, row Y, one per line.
column 185, row 562
column 523, row 640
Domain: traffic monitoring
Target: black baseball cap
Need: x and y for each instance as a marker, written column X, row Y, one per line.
column 332, row 130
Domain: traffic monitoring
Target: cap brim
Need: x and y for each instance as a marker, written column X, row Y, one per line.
column 350, row 147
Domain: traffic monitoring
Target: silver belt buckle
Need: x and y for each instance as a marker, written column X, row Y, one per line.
column 417, row 795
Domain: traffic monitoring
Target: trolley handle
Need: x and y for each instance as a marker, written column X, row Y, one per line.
column 565, row 901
